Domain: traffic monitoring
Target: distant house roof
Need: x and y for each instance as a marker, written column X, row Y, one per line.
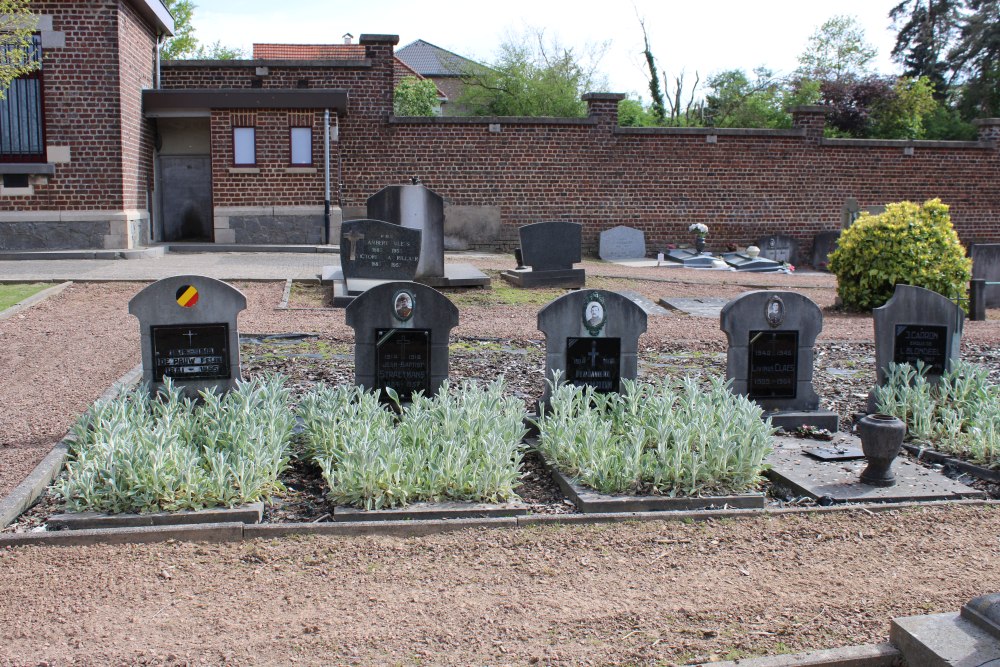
column 430, row 60
column 330, row 52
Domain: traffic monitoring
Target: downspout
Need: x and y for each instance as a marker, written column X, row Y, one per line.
column 159, row 42
column 340, row 171
column 326, row 177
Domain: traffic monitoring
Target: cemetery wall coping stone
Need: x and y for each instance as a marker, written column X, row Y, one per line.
column 568, row 317
column 755, row 311
column 214, row 302
column 377, row 308
column 920, row 307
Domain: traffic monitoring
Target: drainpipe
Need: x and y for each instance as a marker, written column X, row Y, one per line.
column 326, row 177
column 340, row 162
column 159, row 42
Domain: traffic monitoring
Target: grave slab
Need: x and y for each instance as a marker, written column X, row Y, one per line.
column 456, row 275
column 620, row 243
column 428, row 511
column 840, row 480
column 643, row 302
column 706, row 306
column 250, row 513
column 691, row 259
column 944, row 640
column 743, row 262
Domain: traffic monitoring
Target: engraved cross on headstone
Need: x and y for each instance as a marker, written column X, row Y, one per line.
column 593, row 354
column 353, row 238
column 190, row 336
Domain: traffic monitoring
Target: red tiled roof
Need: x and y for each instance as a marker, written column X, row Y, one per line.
column 308, row 51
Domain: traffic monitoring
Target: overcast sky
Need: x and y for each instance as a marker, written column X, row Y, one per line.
column 706, row 37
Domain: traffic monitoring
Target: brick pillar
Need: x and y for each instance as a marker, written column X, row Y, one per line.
column 811, row 118
column 989, row 129
column 604, row 107
column 378, row 49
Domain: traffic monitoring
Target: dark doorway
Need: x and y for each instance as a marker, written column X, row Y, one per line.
column 186, row 197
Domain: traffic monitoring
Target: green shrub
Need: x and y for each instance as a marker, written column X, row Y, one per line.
column 959, row 415
column 137, row 454
column 463, row 444
column 909, row 245
column 672, row 438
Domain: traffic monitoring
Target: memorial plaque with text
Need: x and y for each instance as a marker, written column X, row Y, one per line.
column 380, row 250
column 921, row 342
column 190, row 352
column 403, row 360
column 595, row 362
column 773, row 364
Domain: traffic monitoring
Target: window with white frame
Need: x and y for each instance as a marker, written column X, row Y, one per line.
column 244, row 139
column 300, row 137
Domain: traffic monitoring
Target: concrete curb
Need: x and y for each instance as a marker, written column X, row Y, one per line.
column 202, row 532
column 33, row 299
column 867, row 655
column 34, row 485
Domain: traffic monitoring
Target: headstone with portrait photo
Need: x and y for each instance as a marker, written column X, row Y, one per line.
column 592, row 337
column 401, row 334
column 188, row 333
column 770, row 356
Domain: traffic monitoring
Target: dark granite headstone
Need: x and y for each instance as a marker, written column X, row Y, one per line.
column 823, row 244
column 779, row 248
column 743, row 262
column 401, row 332
column 917, row 323
column 592, row 336
column 377, row 249
column 771, row 336
column 550, row 249
column 415, row 207
column 621, row 242
column 986, row 266
column 189, row 333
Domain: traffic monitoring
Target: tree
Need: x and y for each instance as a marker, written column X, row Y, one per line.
column 736, row 101
column 183, row 44
column 976, row 59
column 415, row 97
column 17, row 57
column 532, row 76
column 657, row 108
column 218, row 51
column 927, row 30
column 631, row 113
column 837, row 51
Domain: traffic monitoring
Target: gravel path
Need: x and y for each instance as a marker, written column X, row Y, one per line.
column 623, row 594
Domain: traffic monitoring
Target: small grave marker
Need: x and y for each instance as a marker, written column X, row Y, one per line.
column 771, row 336
column 401, row 332
column 189, row 333
column 592, row 336
column 823, row 244
column 621, row 242
column 917, row 324
column 779, row 248
column 550, row 249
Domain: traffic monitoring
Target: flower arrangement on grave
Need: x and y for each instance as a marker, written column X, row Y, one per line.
column 700, row 232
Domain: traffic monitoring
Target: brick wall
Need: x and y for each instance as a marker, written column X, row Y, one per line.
column 137, row 62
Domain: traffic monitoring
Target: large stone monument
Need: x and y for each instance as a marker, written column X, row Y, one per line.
column 550, row 249
column 770, row 358
column 401, row 332
column 188, row 333
column 372, row 252
column 415, row 207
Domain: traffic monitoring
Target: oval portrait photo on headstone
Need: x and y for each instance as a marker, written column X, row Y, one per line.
column 403, row 303
column 775, row 311
column 594, row 315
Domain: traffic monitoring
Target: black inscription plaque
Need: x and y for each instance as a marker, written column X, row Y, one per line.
column 774, row 364
column 190, row 352
column 921, row 342
column 403, row 361
column 376, row 249
column 595, row 362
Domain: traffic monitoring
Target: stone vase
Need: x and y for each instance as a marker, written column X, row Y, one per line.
column 881, row 441
column 699, row 244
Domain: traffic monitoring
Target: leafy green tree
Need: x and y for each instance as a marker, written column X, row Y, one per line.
column 17, row 24
column 837, row 50
column 734, row 100
column 658, row 109
column 902, row 115
column 532, row 76
column 632, row 113
column 218, row 51
column 927, row 30
column 183, row 44
column 976, row 59
column 415, row 97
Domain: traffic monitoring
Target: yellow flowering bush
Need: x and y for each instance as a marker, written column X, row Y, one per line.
column 909, row 244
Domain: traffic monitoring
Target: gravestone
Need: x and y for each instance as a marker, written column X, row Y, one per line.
column 779, row 248
column 401, row 332
column 377, row 249
column 849, row 212
column 549, row 249
column 917, row 324
column 415, row 207
column 823, row 244
column 771, row 336
column 621, row 242
column 986, row 266
column 592, row 336
column 741, row 261
column 188, row 333
column 691, row 259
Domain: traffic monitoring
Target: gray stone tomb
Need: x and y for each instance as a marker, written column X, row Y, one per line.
column 415, row 207
column 823, row 244
column 401, row 332
column 691, row 259
column 744, row 262
column 187, row 326
column 917, row 323
column 779, row 248
column 771, row 336
column 621, row 242
column 592, row 336
column 550, row 249
column 986, row 266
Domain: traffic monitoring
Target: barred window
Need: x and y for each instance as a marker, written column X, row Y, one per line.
column 22, row 121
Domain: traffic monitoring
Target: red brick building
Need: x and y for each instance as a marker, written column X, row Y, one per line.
column 234, row 152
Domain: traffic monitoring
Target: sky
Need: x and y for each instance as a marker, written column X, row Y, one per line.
column 687, row 36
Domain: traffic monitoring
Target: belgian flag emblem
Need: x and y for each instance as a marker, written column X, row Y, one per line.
column 187, row 296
